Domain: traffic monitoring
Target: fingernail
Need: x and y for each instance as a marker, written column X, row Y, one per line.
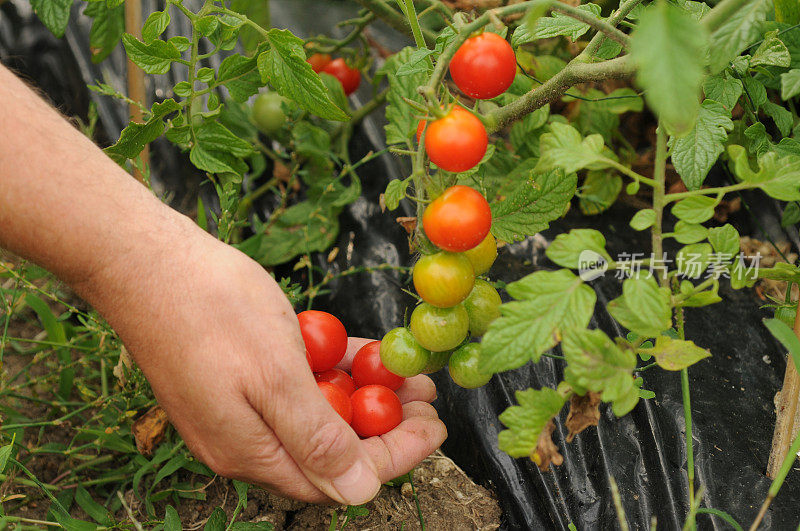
column 358, row 485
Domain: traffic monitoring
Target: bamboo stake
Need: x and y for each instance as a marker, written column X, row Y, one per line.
column 787, row 423
column 136, row 87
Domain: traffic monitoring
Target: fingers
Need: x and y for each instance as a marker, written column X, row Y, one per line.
column 353, row 346
column 400, row 450
column 417, row 388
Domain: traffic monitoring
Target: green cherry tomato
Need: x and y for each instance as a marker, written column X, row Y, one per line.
column 268, row 113
column 463, row 367
column 401, row 354
column 483, row 256
column 439, row 329
column 483, row 307
column 443, row 279
column 437, row 362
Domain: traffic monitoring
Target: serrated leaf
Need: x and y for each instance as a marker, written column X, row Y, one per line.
column 676, row 354
column 692, row 260
column 240, row 76
column 567, row 248
column 395, row 192
column 778, row 177
column 689, row 232
column 724, row 239
column 154, row 26
column 696, row 209
column 739, row 31
column 284, row 66
column 526, row 421
column 533, row 205
column 771, row 52
column 668, row 48
column 547, row 302
column 724, row 89
column 153, row 58
column 136, row 136
column 783, row 118
column 643, row 219
column 108, row 25
column 553, row 26
column 694, row 154
column 755, row 92
column 564, row 148
column 597, row 364
column 790, row 84
column 599, row 191
column 402, row 122
column 643, row 307
column 54, row 14
column 416, row 63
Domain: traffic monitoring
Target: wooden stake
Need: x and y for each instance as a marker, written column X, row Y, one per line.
column 136, row 87
column 787, row 424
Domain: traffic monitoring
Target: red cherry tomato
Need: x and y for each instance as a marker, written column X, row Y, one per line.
column 376, row 410
column 484, row 66
column 350, row 78
column 339, row 378
column 457, row 220
column 318, row 61
column 456, row 142
column 338, row 399
column 368, row 369
column 325, row 339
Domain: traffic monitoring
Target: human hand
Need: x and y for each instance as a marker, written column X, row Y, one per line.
column 221, row 347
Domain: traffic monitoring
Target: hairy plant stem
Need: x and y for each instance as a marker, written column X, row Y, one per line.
column 659, row 178
column 615, row 18
column 687, row 412
column 601, row 26
column 718, row 191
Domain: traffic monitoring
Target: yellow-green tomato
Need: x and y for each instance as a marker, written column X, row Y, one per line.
column 401, row 354
column 439, row 329
column 463, row 367
column 483, row 256
column 437, row 362
column 483, row 307
column 268, row 113
column 443, row 279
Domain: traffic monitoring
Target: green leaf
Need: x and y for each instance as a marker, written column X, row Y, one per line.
column 695, row 209
column 702, row 298
column 153, row 58
column 783, row 118
column 643, row 219
column 724, row 89
column 416, row 63
column 533, row 205
column 564, row 147
column 240, row 76
column 547, row 302
column 97, row 512
column 724, row 239
column 755, row 91
column 791, row 215
column 738, row 32
column 284, row 66
column 402, row 122
column 786, row 336
column 643, row 307
column 553, row 26
column 790, row 84
column 257, row 12
column 596, row 363
column 694, row 154
column 395, row 192
column 108, row 25
column 692, row 260
column 136, row 136
column 172, row 522
column 54, row 14
column 695, row 9
column 217, row 520
column 5, row 454
column 778, row 177
column 599, row 191
column 526, row 421
column 668, row 47
column 787, row 11
column 771, row 52
column 781, row 271
column 676, row 354
column 154, row 26
column 689, row 232
column 567, row 248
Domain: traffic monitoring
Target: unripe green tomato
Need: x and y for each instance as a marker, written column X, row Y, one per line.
column 439, row 329
column 483, row 256
column 483, row 307
column 401, row 354
column 268, row 113
column 437, row 362
column 443, row 279
column 463, row 367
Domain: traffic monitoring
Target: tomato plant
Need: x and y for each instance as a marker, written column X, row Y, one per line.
column 349, row 77
column 457, row 220
column 401, row 354
column 457, row 141
column 376, row 410
column 483, row 307
column 338, row 378
column 338, row 399
column 443, row 279
column 464, row 367
column 484, row 66
column 439, row 329
column 325, row 339
column 368, row 369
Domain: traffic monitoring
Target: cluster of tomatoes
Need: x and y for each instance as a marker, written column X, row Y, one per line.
column 366, row 397
column 349, row 77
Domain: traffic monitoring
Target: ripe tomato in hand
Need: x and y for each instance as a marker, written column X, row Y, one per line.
column 484, row 66
column 457, row 220
column 325, row 339
column 350, row 78
column 318, row 61
column 439, row 329
column 401, row 354
column 443, row 279
column 456, row 142
column 338, row 378
column 376, row 410
column 483, row 255
column 368, row 369
column 338, row 399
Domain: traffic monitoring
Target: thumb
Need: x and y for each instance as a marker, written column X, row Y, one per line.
column 325, row 448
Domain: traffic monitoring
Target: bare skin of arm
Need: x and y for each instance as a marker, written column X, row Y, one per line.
column 212, row 331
